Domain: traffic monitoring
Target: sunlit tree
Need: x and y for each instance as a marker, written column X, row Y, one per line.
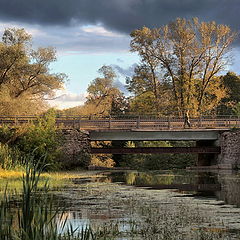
column 189, row 55
column 24, row 72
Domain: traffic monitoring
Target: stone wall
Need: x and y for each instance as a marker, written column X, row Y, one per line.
column 230, row 149
column 75, row 150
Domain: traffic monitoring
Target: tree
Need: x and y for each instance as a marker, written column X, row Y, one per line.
column 236, row 109
column 25, row 72
column 190, row 54
column 231, row 83
column 149, row 96
column 146, row 74
column 103, row 97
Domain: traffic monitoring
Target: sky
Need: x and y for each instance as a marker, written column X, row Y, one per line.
column 90, row 33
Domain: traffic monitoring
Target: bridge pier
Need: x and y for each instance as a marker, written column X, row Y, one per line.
column 230, row 149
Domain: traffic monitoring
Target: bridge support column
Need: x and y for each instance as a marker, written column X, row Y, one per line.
column 230, row 149
column 206, row 159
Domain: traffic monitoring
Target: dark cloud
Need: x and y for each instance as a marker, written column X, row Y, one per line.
column 120, row 15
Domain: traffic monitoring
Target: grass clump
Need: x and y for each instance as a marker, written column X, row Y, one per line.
column 35, row 217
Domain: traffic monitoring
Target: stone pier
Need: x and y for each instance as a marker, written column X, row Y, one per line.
column 230, row 149
column 75, row 148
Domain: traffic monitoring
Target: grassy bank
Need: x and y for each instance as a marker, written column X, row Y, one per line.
column 13, row 178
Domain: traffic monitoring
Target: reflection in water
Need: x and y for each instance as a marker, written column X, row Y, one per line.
column 223, row 185
column 230, row 189
column 94, row 208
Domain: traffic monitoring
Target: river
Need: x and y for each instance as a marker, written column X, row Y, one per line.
column 182, row 204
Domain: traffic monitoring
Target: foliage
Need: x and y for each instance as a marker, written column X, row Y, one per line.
column 25, row 104
column 158, row 161
column 9, row 157
column 103, row 160
column 231, row 82
column 6, row 133
column 189, row 54
column 24, row 73
column 103, row 98
column 41, row 138
column 143, row 104
column 236, row 109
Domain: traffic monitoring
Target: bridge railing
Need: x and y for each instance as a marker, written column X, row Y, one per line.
column 129, row 122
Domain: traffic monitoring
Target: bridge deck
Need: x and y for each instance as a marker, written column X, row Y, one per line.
column 130, row 122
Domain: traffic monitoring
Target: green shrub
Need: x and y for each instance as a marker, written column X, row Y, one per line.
column 41, row 138
column 6, row 133
column 9, row 157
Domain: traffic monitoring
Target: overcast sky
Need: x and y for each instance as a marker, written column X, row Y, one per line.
column 90, row 33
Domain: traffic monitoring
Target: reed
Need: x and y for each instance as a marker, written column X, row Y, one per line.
column 36, row 217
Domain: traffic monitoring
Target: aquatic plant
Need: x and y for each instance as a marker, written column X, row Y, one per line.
column 36, row 217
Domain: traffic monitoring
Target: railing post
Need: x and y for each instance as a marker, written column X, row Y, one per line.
column 138, row 122
column 79, row 123
column 73, row 122
column 109, row 122
column 200, row 121
column 169, row 123
column 16, row 120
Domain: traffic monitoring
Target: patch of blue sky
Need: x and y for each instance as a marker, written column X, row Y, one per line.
column 83, row 68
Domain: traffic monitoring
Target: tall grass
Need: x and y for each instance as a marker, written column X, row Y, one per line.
column 36, row 217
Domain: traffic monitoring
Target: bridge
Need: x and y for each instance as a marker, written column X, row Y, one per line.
column 204, row 130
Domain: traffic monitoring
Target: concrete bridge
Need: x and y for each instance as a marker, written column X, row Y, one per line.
column 208, row 133
column 207, row 142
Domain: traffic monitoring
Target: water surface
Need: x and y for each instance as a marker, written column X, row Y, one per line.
column 115, row 196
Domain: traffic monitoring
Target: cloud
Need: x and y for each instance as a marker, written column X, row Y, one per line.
column 125, row 72
column 122, row 16
column 87, row 26
column 74, row 39
column 66, row 99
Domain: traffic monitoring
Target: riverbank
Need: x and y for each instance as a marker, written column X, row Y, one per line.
column 13, row 178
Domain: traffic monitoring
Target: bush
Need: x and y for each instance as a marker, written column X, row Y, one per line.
column 41, row 138
column 6, row 134
column 9, row 157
